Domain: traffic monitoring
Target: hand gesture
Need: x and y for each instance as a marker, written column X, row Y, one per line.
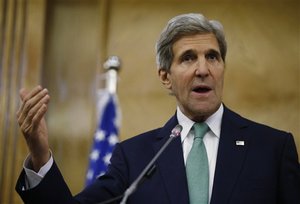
column 32, row 123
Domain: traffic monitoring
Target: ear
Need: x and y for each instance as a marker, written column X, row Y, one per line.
column 164, row 77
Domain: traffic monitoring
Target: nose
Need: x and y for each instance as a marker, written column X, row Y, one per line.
column 201, row 69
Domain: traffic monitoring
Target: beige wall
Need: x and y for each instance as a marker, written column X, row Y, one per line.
column 262, row 70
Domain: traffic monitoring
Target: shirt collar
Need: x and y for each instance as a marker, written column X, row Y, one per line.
column 214, row 122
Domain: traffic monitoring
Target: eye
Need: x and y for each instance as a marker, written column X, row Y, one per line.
column 212, row 56
column 188, row 57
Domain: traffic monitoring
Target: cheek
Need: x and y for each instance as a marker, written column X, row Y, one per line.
column 218, row 77
column 220, row 83
column 178, row 85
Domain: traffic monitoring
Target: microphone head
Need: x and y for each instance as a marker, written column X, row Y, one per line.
column 176, row 131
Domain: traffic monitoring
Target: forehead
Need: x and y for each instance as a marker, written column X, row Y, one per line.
column 199, row 42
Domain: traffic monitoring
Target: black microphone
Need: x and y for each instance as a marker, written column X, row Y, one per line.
column 148, row 170
column 174, row 133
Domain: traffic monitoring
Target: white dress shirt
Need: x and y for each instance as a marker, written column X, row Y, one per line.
column 211, row 139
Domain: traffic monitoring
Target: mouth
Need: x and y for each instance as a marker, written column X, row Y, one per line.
column 201, row 89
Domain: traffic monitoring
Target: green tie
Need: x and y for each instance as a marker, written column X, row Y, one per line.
column 197, row 167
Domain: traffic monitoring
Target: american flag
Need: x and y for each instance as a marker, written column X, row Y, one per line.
column 106, row 135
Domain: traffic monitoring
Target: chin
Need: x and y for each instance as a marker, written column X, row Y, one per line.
column 204, row 111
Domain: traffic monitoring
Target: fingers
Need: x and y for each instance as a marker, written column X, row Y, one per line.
column 25, row 95
column 33, row 108
column 32, row 121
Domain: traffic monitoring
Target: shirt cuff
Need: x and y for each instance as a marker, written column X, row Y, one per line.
column 32, row 178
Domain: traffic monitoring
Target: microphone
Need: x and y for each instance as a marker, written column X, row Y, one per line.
column 150, row 167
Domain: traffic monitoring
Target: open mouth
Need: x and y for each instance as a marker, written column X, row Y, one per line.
column 201, row 89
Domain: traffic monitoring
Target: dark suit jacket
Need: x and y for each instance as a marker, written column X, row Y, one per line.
column 265, row 170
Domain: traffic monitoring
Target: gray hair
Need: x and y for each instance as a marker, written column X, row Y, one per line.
column 186, row 25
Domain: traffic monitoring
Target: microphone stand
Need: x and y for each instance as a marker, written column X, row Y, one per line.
column 146, row 176
column 138, row 180
column 148, row 170
column 112, row 199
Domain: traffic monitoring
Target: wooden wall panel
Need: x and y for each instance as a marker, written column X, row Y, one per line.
column 21, row 55
column 70, row 73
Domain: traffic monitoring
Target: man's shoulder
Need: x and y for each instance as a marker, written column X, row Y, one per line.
column 146, row 136
column 252, row 125
column 153, row 135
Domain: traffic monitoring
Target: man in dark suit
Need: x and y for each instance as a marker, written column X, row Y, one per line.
column 244, row 162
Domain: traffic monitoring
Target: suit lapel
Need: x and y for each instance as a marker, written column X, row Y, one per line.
column 171, row 165
column 232, row 150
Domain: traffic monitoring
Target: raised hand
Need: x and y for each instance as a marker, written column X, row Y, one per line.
column 32, row 123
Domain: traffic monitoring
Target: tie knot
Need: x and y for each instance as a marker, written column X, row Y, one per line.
column 200, row 129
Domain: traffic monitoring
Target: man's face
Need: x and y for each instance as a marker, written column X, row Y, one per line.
column 196, row 75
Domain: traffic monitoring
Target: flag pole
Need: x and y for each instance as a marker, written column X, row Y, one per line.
column 108, row 122
column 112, row 66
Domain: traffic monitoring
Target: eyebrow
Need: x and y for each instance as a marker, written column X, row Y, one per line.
column 189, row 51
column 213, row 51
column 192, row 51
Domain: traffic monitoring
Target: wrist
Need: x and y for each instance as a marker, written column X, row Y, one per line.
column 40, row 160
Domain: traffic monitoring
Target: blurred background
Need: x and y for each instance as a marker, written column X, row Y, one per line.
column 62, row 45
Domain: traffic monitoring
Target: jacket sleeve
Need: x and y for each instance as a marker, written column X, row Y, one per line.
column 52, row 189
